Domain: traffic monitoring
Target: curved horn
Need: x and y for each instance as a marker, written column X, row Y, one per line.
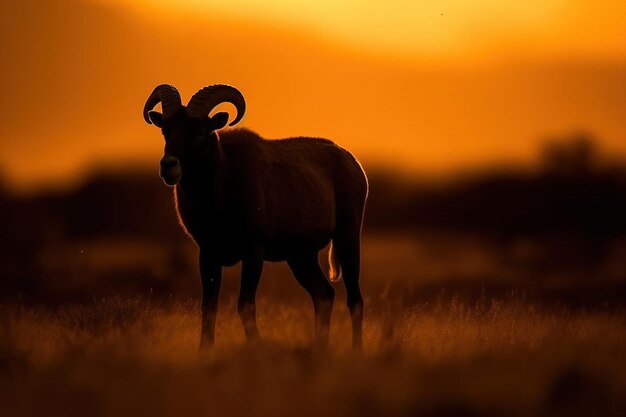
column 206, row 99
column 165, row 94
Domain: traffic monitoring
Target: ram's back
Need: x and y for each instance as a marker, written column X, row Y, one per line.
column 298, row 187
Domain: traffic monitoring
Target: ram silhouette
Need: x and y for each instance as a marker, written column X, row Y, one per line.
column 244, row 198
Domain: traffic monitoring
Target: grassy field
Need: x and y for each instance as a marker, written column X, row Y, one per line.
column 123, row 357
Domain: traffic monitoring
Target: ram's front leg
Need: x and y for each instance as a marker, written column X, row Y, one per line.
column 211, row 275
column 251, row 269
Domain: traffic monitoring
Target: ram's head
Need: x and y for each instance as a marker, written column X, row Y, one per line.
column 189, row 130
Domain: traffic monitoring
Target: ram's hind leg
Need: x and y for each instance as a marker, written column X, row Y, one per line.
column 347, row 246
column 308, row 273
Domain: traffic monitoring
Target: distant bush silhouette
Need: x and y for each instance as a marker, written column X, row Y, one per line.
column 569, row 209
column 570, row 195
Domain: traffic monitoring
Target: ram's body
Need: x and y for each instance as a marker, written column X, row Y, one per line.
column 285, row 195
column 244, row 198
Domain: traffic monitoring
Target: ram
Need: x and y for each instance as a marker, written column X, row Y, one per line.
column 244, row 198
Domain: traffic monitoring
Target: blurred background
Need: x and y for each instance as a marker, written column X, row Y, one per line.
column 493, row 134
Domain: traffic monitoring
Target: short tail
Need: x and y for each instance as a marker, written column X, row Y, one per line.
column 334, row 272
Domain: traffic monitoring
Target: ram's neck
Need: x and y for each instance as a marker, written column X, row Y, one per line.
column 203, row 183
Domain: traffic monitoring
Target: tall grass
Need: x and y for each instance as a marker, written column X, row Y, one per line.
column 134, row 357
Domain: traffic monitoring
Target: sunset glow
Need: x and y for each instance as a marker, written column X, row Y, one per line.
column 430, row 87
column 435, row 29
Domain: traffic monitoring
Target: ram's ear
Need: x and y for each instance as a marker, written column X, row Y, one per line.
column 156, row 118
column 219, row 120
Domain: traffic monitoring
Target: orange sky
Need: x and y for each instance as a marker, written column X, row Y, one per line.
column 427, row 86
